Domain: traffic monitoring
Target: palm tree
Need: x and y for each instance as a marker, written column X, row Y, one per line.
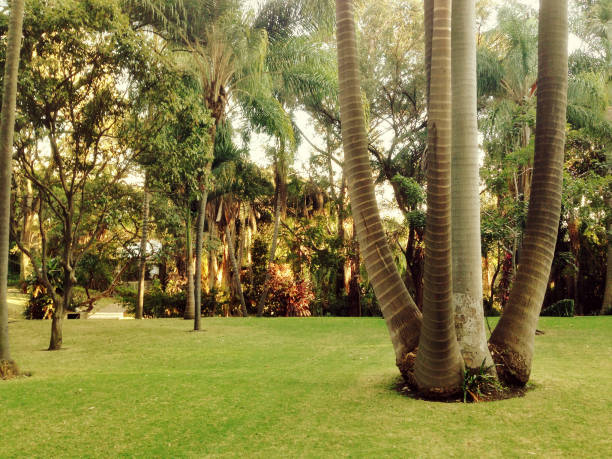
column 143, row 249
column 7, row 128
column 513, row 339
column 438, row 368
column 465, row 197
column 401, row 315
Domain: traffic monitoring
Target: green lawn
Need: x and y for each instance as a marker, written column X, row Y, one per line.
column 318, row 387
column 16, row 304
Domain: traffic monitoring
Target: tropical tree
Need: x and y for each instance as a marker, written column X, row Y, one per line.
column 513, row 338
column 142, row 254
column 438, row 367
column 7, row 126
column 399, row 311
column 465, row 196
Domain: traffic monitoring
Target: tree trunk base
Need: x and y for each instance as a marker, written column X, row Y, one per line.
column 8, row 369
column 511, row 367
column 55, row 344
column 406, row 368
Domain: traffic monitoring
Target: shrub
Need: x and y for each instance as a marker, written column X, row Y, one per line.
column 94, row 272
column 287, row 297
column 563, row 308
column 157, row 303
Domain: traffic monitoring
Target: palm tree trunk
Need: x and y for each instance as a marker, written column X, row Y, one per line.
column 197, row 323
column 401, row 315
column 190, row 308
column 465, row 197
column 513, row 339
column 438, row 368
column 7, row 128
column 230, row 244
column 143, row 250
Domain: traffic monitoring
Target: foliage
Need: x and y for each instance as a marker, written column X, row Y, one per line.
column 563, row 308
column 95, row 271
column 157, row 303
column 40, row 303
column 287, row 296
column 478, row 381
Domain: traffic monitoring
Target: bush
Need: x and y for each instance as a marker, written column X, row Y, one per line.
column 157, row 303
column 563, row 308
column 287, row 297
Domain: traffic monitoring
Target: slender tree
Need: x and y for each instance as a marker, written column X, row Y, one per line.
column 7, row 128
column 438, row 368
column 143, row 249
column 513, row 338
column 465, row 197
column 197, row 323
column 401, row 315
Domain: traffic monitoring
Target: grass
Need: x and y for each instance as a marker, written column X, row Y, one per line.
column 318, row 387
column 16, row 304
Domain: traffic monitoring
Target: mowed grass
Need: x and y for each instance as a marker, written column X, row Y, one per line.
column 317, row 387
column 16, row 303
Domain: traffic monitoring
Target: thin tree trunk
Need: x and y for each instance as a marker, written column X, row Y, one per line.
column 213, row 265
column 197, row 323
column 465, row 197
column 439, row 366
column 143, row 250
column 61, row 306
column 25, row 267
column 513, row 338
column 190, row 308
column 7, row 128
column 230, row 244
column 401, row 315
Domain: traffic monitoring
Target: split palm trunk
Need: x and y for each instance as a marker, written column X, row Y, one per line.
column 7, row 129
column 465, row 196
column 513, row 339
column 401, row 315
column 439, row 366
column 143, row 250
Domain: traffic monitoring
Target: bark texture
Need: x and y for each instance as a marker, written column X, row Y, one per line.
column 7, row 129
column 465, row 197
column 513, row 339
column 401, row 315
column 438, row 368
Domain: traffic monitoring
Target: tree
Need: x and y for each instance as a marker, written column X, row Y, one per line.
column 69, row 97
column 513, row 338
column 399, row 311
column 465, row 196
column 142, row 254
column 7, row 126
column 438, row 367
